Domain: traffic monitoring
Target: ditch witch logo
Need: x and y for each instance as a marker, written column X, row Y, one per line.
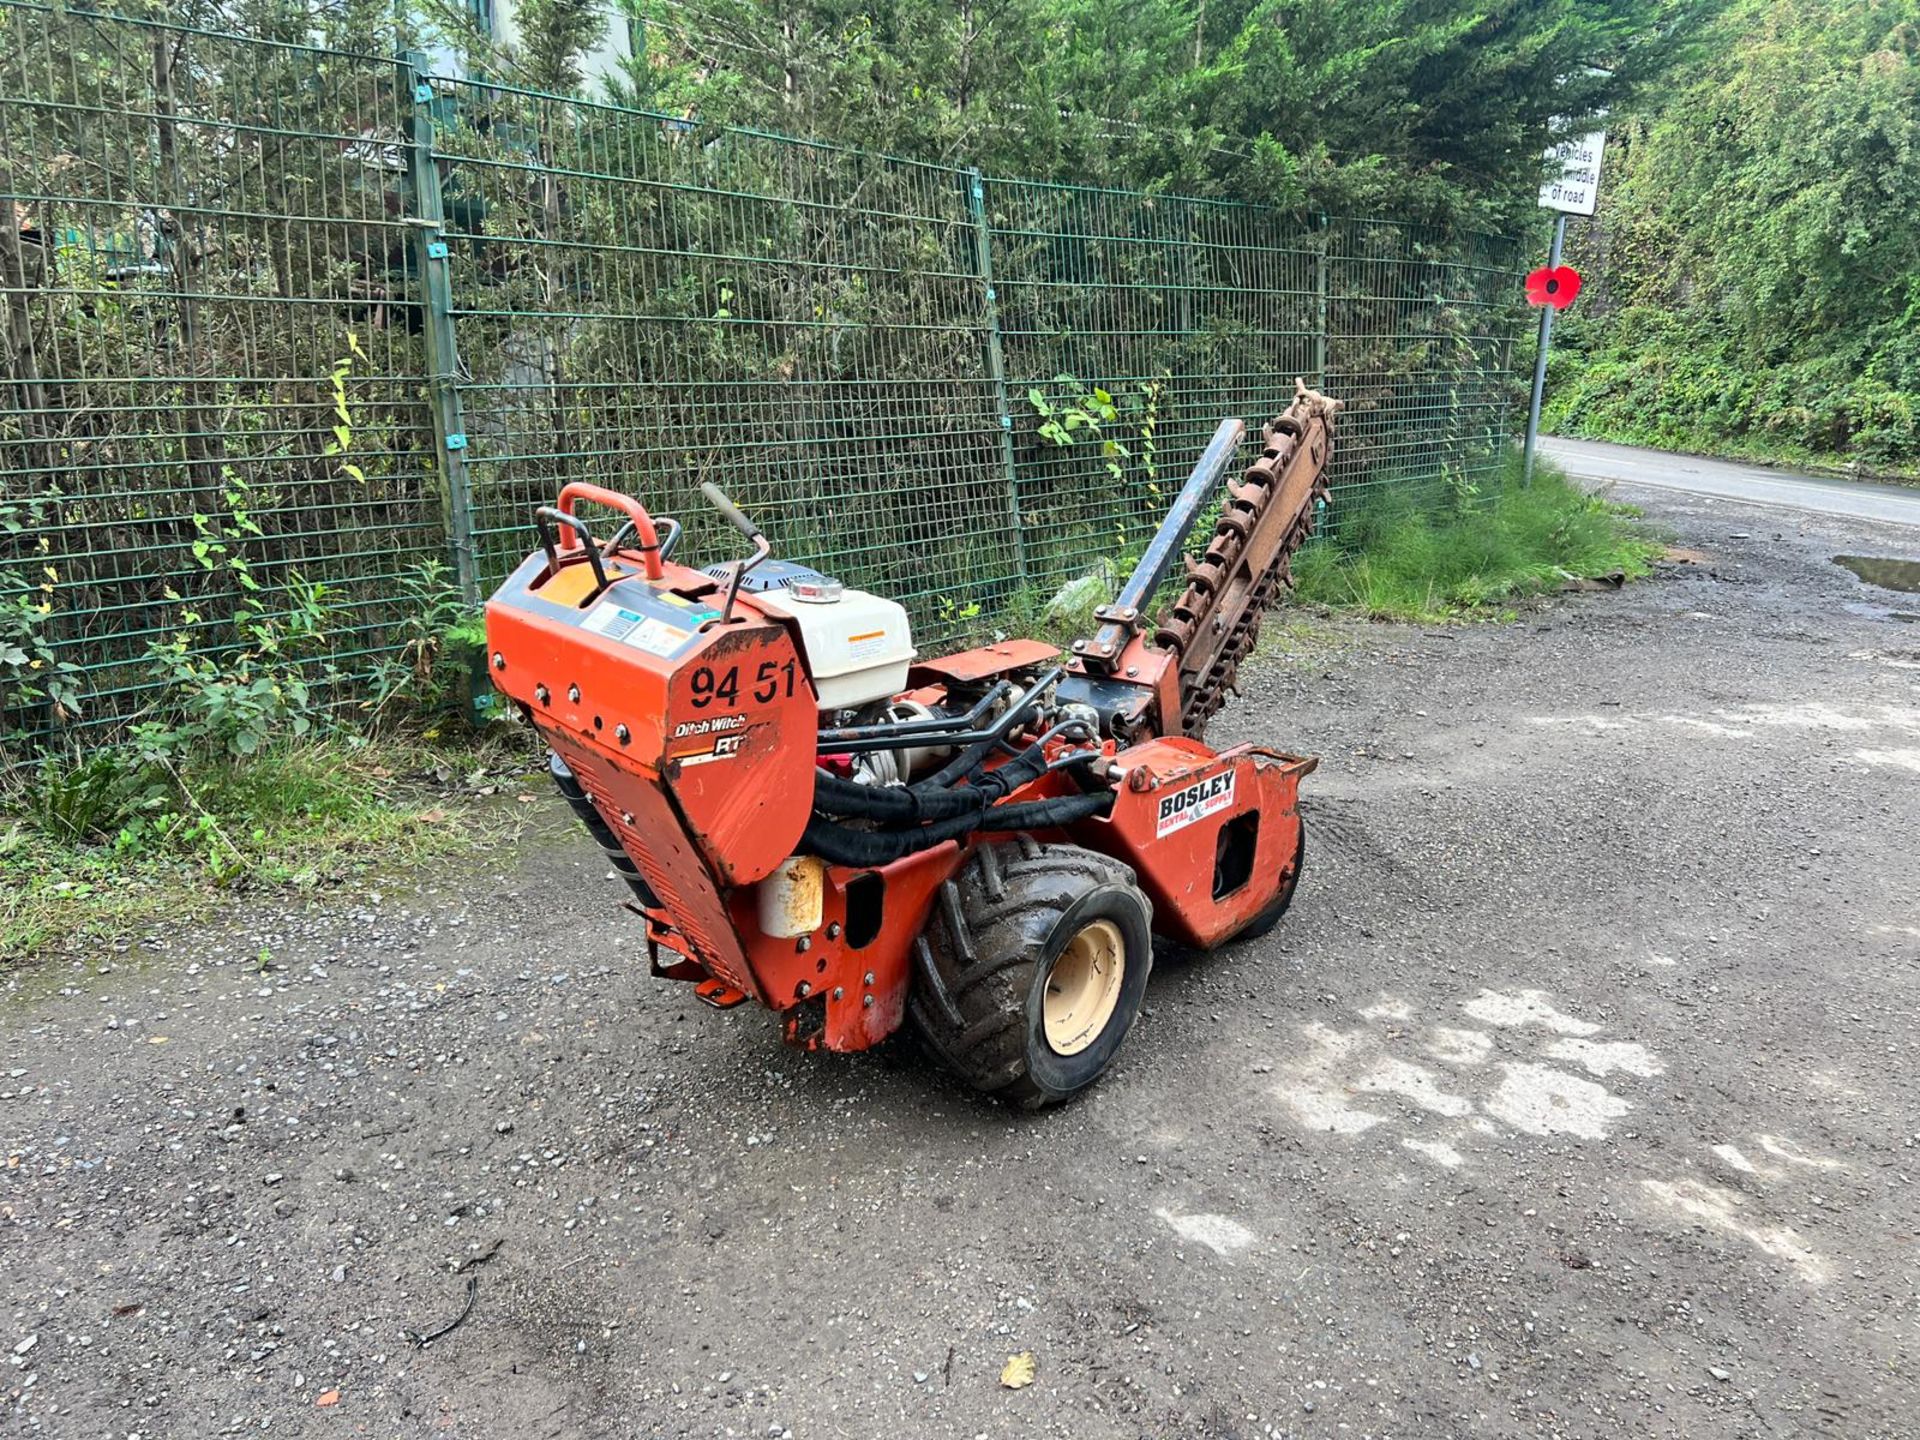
column 1194, row 802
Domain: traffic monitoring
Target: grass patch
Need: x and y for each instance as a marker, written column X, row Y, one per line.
column 1407, row 554
column 96, row 849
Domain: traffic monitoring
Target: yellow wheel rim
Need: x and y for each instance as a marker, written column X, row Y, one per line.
column 1083, row 987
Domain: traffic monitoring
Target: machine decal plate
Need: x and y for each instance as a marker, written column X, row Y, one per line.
column 643, row 632
column 711, row 725
column 721, row 747
column 1181, row 808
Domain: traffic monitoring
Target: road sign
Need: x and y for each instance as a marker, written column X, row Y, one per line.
column 1573, row 174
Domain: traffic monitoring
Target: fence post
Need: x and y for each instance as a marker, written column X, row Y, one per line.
column 996, row 361
column 430, row 261
column 1320, row 303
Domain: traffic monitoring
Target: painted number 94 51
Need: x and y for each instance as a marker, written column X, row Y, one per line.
column 771, row 680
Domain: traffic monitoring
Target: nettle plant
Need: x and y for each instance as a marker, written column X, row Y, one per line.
column 342, row 440
column 34, row 679
column 438, row 640
column 233, row 693
column 1121, row 423
column 234, row 684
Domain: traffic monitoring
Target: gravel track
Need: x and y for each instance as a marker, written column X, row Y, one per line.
column 1575, row 1097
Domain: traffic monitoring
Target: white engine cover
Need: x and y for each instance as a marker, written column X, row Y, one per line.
column 857, row 647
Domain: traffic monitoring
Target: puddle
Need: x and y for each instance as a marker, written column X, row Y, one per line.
column 1879, row 612
column 1880, row 570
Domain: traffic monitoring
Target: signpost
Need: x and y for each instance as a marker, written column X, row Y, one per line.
column 1572, row 188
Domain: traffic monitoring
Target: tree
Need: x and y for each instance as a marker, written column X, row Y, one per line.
column 1433, row 105
column 555, row 36
column 1762, row 275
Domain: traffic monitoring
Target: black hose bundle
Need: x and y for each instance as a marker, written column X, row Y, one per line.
column 845, row 846
column 932, row 811
column 934, row 798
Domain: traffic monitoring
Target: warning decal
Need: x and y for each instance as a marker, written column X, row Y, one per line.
column 867, row 646
column 1180, row 808
column 643, row 632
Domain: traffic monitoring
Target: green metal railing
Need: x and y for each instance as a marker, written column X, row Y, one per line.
column 339, row 320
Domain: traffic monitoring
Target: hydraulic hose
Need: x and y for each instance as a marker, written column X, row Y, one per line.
column 968, row 760
column 930, row 799
column 840, row 845
column 937, row 809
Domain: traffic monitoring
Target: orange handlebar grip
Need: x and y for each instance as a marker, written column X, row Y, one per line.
column 642, row 522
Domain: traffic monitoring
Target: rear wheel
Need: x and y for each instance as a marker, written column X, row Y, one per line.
column 1032, row 969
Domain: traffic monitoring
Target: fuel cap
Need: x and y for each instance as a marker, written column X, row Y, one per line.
column 815, row 589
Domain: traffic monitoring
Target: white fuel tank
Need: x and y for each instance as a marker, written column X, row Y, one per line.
column 857, row 646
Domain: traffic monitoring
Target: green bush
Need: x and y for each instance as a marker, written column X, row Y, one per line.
column 1757, row 276
column 240, row 766
column 1670, row 382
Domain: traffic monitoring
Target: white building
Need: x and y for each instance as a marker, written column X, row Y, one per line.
column 496, row 18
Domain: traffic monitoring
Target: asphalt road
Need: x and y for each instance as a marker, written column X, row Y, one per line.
column 1729, row 480
column 1575, row 1097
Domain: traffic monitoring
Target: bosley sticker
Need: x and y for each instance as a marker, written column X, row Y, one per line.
column 1180, row 808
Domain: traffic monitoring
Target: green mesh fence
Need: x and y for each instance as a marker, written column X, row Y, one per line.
column 1131, row 324
column 280, row 315
column 195, row 233
column 645, row 305
column 1419, row 340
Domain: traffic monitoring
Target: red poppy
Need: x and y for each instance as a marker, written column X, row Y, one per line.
column 1554, row 285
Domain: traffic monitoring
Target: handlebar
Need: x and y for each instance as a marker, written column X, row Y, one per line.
column 649, row 546
column 717, row 498
column 737, row 572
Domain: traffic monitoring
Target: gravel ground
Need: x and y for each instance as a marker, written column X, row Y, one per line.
column 1575, row 1097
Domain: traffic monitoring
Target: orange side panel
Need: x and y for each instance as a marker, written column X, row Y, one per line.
column 725, row 719
column 983, row 663
column 865, row 989
column 1167, row 822
column 639, row 813
column 739, row 749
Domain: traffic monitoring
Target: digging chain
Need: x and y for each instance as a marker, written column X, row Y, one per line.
column 1215, row 624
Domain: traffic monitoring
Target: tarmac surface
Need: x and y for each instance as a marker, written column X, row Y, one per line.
column 1576, row 1096
column 1730, row 480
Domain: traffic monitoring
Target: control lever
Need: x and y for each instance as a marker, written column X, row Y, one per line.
column 761, row 549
